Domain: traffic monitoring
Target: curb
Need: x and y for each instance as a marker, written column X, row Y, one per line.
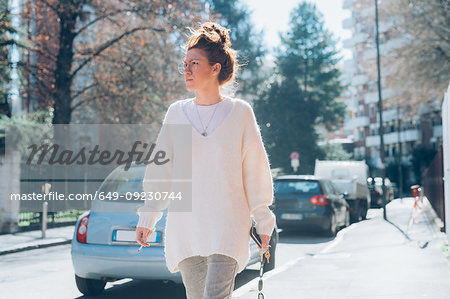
column 37, row 246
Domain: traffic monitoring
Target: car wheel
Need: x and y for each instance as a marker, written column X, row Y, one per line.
column 347, row 218
column 363, row 210
column 331, row 231
column 356, row 215
column 89, row 286
column 271, row 264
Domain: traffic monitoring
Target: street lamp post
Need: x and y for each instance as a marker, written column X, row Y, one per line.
column 400, row 154
column 380, row 111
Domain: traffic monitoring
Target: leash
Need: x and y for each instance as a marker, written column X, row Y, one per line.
column 264, row 255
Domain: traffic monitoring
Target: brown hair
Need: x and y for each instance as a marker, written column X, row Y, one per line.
column 215, row 41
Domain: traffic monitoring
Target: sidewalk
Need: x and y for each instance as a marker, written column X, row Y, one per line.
column 10, row 243
column 370, row 259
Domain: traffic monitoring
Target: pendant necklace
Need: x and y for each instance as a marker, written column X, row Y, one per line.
column 198, row 113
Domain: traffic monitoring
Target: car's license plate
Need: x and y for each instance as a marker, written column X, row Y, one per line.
column 130, row 236
column 288, row 216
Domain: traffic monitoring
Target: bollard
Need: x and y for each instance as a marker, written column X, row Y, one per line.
column 44, row 218
column 415, row 191
column 45, row 189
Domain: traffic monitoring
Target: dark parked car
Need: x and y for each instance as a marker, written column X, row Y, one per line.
column 308, row 202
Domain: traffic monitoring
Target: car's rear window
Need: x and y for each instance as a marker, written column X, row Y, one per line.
column 124, row 183
column 286, row 186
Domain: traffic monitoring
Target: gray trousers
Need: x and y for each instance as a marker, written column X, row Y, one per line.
column 210, row 277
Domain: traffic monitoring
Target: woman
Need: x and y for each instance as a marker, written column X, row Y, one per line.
column 231, row 177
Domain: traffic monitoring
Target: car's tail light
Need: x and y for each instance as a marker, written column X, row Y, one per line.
column 320, row 200
column 378, row 192
column 82, row 229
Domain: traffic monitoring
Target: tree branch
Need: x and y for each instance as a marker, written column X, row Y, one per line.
column 83, row 90
column 106, row 45
column 83, row 102
column 54, row 8
column 113, row 13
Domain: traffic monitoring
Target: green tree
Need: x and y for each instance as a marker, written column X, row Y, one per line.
column 235, row 15
column 302, row 92
column 335, row 152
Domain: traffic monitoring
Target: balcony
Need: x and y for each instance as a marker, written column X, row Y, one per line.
column 348, row 23
column 388, row 93
column 360, row 37
column 392, row 44
column 372, row 141
column 347, row 4
column 385, row 26
column 371, row 97
column 347, row 43
column 357, row 122
column 359, row 79
column 370, row 53
column 368, row 11
column 388, row 115
column 349, row 65
column 351, row 103
column 392, row 138
column 437, row 131
column 409, row 135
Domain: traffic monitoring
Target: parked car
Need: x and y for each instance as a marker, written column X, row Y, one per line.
column 376, row 191
column 350, row 178
column 308, row 202
column 395, row 190
column 104, row 246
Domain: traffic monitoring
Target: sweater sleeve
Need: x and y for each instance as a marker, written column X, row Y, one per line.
column 257, row 177
column 157, row 180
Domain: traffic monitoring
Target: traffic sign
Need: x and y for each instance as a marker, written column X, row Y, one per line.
column 295, row 155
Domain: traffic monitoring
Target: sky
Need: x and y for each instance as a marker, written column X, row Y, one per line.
column 273, row 16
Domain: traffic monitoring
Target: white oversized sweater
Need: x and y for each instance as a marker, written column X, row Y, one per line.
column 231, row 180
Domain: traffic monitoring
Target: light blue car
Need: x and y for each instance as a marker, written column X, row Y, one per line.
column 104, row 246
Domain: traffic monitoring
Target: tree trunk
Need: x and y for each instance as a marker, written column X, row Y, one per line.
column 64, row 61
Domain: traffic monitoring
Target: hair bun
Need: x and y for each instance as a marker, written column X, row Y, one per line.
column 222, row 32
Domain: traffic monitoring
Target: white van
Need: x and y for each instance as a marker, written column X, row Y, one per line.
column 350, row 177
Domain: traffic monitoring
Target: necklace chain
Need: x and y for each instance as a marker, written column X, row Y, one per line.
column 198, row 113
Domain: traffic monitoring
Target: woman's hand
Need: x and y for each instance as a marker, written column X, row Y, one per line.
column 265, row 239
column 142, row 234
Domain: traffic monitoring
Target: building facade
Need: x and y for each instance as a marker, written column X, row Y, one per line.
column 401, row 129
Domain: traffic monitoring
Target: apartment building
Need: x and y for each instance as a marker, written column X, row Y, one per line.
column 360, row 72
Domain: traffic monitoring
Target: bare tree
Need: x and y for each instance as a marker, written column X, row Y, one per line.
column 135, row 79
column 421, row 65
column 64, row 46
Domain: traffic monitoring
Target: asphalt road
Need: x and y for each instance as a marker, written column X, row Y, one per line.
column 48, row 272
